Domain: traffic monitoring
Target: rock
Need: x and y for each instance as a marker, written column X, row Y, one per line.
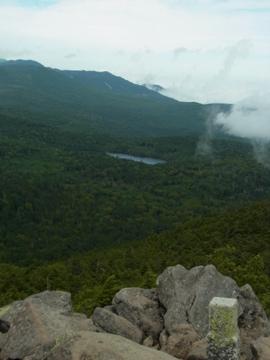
column 141, row 308
column 261, row 348
column 149, row 341
column 38, row 324
column 100, row 346
column 163, row 338
column 173, row 317
column 179, row 341
column 253, row 321
column 115, row 324
column 198, row 350
column 186, row 294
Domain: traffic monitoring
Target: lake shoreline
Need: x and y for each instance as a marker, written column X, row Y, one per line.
column 141, row 159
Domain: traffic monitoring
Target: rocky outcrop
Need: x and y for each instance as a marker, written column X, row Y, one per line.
column 186, row 295
column 172, row 318
column 94, row 346
column 39, row 323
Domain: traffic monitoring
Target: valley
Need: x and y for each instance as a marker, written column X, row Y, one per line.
column 71, row 215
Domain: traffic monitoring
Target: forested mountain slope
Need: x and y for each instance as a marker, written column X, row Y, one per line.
column 237, row 242
column 61, row 194
column 85, row 101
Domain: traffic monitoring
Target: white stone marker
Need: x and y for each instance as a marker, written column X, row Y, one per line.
column 223, row 337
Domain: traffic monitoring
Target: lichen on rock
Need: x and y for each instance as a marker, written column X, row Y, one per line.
column 223, row 338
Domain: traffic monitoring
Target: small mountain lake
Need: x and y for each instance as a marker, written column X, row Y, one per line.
column 145, row 160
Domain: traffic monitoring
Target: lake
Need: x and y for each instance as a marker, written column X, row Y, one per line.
column 144, row 160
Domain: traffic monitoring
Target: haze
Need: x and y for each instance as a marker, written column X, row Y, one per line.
column 199, row 50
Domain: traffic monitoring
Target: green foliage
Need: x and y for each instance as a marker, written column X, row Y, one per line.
column 93, row 278
column 61, row 194
column 89, row 297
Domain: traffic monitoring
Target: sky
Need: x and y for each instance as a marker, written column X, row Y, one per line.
column 198, row 50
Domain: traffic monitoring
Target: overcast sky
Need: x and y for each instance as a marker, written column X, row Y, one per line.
column 201, row 50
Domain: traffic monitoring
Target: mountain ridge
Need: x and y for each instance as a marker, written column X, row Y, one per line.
column 96, row 101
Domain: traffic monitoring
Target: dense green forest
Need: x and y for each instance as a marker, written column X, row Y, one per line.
column 236, row 242
column 74, row 218
column 62, row 194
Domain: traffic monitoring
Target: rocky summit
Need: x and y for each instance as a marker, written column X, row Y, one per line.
column 168, row 322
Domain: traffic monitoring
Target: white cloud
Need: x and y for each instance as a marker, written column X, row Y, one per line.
column 204, row 50
column 249, row 118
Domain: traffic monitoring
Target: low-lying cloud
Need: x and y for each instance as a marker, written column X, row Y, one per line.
column 248, row 119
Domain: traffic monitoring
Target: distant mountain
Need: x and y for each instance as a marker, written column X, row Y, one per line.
column 20, row 62
column 94, row 102
column 105, row 81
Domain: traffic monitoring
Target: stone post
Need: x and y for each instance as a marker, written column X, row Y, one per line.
column 223, row 337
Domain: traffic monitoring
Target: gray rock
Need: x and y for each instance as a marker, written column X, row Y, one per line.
column 253, row 320
column 174, row 317
column 38, row 324
column 198, row 350
column 97, row 346
column 163, row 339
column 141, row 308
column 186, row 294
column 179, row 342
column 115, row 324
column 261, row 348
column 149, row 341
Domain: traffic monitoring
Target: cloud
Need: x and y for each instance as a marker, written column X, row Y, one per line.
column 230, row 5
column 240, row 50
column 159, row 37
column 249, row 118
column 179, row 51
column 28, row 3
column 13, row 53
column 71, row 55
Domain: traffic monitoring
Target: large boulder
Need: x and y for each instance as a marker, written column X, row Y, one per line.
column 141, row 307
column 115, row 324
column 100, row 346
column 38, row 324
column 186, row 295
